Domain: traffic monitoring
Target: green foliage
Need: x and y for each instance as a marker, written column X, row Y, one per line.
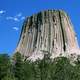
column 9, row 77
column 27, row 70
column 4, row 65
column 46, row 69
column 18, row 66
column 61, row 69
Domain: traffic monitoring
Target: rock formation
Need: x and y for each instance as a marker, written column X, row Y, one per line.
column 47, row 32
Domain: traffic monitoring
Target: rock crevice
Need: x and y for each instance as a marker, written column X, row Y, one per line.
column 50, row 31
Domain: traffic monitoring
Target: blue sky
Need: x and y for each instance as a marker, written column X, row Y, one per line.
column 13, row 12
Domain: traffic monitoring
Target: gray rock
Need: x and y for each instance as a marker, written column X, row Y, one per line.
column 48, row 31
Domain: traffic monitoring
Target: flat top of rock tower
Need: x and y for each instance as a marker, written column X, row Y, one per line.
column 49, row 10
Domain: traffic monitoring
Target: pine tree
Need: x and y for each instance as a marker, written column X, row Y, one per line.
column 18, row 66
column 5, row 65
column 28, row 70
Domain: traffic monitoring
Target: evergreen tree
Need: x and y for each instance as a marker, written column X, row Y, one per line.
column 63, row 70
column 36, row 70
column 44, row 66
column 5, row 65
column 18, row 66
column 46, row 69
column 28, row 71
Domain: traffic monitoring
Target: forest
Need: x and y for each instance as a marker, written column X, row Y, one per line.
column 18, row 68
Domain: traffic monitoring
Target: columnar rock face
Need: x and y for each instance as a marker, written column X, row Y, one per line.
column 47, row 32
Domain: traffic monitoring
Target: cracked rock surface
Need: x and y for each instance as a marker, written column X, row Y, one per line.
column 48, row 31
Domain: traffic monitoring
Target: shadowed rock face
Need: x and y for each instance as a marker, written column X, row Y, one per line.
column 47, row 32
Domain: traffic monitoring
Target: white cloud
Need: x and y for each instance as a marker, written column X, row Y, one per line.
column 2, row 11
column 22, row 18
column 15, row 28
column 12, row 18
column 19, row 15
column 16, row 18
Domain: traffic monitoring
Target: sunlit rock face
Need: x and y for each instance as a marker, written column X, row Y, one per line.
column 48, row 32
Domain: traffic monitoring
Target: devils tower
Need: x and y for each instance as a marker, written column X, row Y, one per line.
column 48, row 31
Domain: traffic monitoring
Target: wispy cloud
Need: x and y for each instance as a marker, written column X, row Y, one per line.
column 15, row 28
column 2, row 11
column 12, row 18
column 19, row 15
column 22, row 18
column 16, row 18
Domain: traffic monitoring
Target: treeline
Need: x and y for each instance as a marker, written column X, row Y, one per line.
column 16, row 68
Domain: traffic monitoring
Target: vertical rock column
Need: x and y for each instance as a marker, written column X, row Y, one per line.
column 48, row 31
